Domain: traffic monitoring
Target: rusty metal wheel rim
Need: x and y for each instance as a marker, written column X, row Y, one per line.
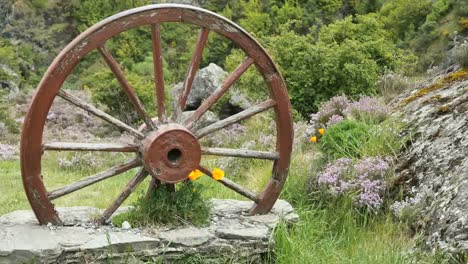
column 95, row 38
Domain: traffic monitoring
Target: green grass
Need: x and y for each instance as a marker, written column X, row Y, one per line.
column 169, row 208
column 333, row 232
column 328, row 232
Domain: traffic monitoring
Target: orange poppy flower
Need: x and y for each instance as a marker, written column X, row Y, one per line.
column 218, row 174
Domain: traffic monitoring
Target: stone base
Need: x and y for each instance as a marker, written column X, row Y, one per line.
column 231, row 236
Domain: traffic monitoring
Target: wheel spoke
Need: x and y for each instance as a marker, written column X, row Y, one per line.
column 101, row 114
column 158, row 72
column 154, row 185
column 118, row 73
column 265, row 105
column 116, row 170
column 232, row 185
column 241, row 153
column 192, row 70
column 228, row 82
column 71, row 146
column 131, row 186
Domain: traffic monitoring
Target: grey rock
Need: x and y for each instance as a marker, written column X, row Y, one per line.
column 205, row 83
column 188, row 236
column 126, row 225
column 231, row 235
column 254, row 233
column 239, row 100
column 436, row 165
column 205, row 120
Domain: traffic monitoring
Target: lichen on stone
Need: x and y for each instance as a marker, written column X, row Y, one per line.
column 444, row 82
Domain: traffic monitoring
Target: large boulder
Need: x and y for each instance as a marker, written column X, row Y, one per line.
column 435, row 167
column 205, row 83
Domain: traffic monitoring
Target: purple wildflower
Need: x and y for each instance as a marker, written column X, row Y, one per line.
column 368, row 109
column 334, row 119
column 335, row 106
column 364, row 177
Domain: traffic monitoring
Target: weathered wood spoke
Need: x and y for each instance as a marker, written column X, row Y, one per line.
column 228, row 82
column 241, row 153
column 116, row 170
column 158, row 72
column 118, row 73
column 192, row 70
column 99, row 113
column 265, row 105
column 232, row 185
column 131, row 186
column 71, row 146
column 153, row 186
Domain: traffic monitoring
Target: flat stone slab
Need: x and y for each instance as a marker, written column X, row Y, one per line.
column 231, row 236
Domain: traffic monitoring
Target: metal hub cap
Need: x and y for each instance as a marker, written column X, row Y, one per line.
column 171, row 153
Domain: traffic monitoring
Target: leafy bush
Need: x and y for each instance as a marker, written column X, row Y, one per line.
column 8, row 60
column 165, row 207
column 5, row 116
column 345, row 139
column 107, row 91
column 398, row 15
column 347, row 58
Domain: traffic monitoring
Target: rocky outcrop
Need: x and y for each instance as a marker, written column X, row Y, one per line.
column 232, row 236
column 205, row 83
column 435, row 167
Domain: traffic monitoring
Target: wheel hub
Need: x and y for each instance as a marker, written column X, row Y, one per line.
column 171, row 153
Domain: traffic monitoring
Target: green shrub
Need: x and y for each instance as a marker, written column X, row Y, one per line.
column 398, row 15
column 345, row 139
column 5, row 115
column 107, row 91
column 386, row 139
column 169, row 208
column 347, row 58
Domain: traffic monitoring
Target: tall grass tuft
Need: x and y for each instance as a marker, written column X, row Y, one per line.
column 391, row 84
column 186, row 206
column 460, row 54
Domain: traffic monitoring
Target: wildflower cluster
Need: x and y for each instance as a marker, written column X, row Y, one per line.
column 368, row 109
column 365, row 179
column 339, row 108
column 333, row 107
column 314, row 139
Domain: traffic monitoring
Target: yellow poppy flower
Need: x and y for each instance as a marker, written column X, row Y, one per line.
column 321, row 131
column 195, row 174
column 218, row 174
column 313, row 139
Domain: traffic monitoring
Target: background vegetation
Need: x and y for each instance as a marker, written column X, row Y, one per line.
column 324, row 48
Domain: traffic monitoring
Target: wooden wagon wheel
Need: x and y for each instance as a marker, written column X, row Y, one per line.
column 171, row 148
